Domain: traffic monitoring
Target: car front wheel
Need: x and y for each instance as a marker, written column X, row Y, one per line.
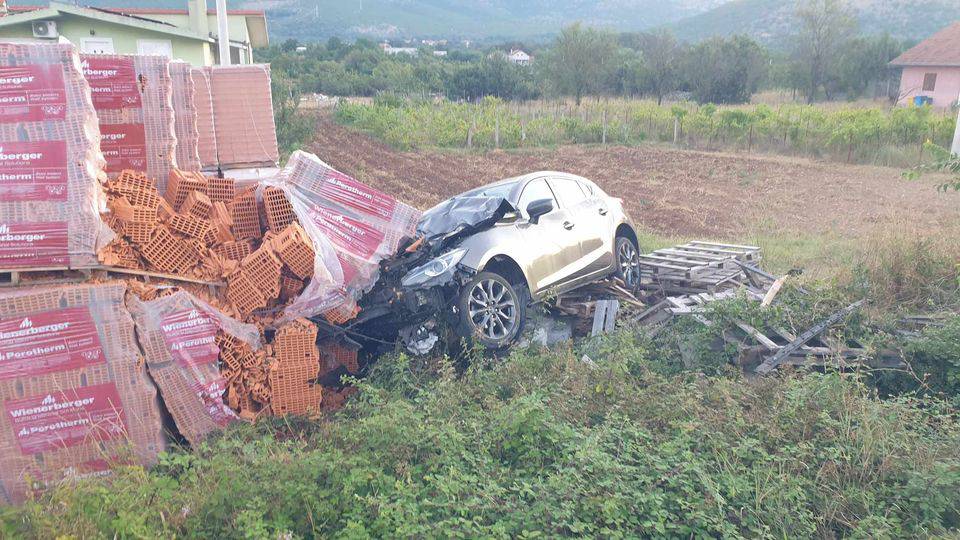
column 628, row 261
column 492, row 311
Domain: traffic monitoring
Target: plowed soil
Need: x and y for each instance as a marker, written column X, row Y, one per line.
column 668, row 191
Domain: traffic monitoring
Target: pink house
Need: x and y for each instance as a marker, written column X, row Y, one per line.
column 932, row 69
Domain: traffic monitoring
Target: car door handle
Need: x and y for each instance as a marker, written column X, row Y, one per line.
column 567, row 225
column 603, row 211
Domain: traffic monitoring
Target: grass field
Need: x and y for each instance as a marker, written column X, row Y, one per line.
column 661, row 437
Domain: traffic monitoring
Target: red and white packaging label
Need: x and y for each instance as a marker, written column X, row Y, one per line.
column 211, row 395
column 124, row 146
column 68, row 418
column 32, row 93
column 113, row 82
column 356, row 237
column 189, row 335
column 34, row 245
column 346, row 191
column 33, row 171
column 50, row 341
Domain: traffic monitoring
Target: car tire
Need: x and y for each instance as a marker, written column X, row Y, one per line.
column 491, row 311
column 627, row 255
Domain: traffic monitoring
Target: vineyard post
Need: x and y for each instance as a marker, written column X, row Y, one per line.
column 496, row 133
column 470, row 130
column 676, row 129
column 750, row 140
column 604, row 116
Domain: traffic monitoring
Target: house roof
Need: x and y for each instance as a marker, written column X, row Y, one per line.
column 940, row 49
column 56, row 9
column 155, row 11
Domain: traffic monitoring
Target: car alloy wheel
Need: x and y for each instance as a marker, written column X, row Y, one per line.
column 628, row 262
column 492, row 309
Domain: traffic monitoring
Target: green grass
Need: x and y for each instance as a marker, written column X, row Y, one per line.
column 541, row 445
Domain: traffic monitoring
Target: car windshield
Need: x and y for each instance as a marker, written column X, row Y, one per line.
column 497, row 190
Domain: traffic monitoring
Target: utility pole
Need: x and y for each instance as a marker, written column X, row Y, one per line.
column 223, row 33
column 955, row 149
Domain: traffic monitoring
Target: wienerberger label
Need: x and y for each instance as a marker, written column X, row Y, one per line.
column 124, row 146
column 189, row 336
column 66, row 418
column 34, row 245
column 49, row 341
column 32, row 93
column 33, row 171
column 113, row 82
column 351, row 235
column 211, row 395
column 342, row 189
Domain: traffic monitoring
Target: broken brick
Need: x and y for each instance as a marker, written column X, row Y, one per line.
column 221, row 189
column 246, row 219
column 295, row 250
column 279, row 211
column 262, row 267
column 244, row 294
column 191, row 226
column 181, row 184
column 196, row 204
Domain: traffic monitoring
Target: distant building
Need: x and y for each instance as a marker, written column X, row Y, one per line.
column 931, row 70
column 389, row 49
column 301, row 48
column 519, row 57
column 185, row 34
column 439, row 53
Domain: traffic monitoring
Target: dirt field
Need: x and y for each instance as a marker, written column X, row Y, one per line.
column 670, row 192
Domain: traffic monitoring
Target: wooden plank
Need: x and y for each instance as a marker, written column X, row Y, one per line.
column 773, row 361
column 757, row 335
column 611, row 317
column 701, row 243
column 772, row 291
column 599, row 313
column 159, row 275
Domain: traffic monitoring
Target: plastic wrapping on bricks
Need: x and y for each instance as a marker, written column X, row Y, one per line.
column 185, row 116
column 133, row 100
column 352, row 228
column 242, row 105
column 183, row 339
column 50, row 195
column 75, row 395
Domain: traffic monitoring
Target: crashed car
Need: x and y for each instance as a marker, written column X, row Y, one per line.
column 482, row 257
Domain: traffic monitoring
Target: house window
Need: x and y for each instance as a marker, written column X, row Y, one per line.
column 929, row 82
column 161, row 47
column 96, row 45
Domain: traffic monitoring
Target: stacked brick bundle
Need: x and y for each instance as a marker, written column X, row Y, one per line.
column 50, row 161
column 352, row 226
column 74, row 394
column 194, row 353
column 243, row 123
column 206, row 132
column 185, row 116
column 132, row 97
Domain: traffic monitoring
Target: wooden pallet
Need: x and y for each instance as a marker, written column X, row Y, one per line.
column 698, row 267
column 54, row 275
column 59, row 275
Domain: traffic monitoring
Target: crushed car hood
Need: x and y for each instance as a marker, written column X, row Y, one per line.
column 460, row 216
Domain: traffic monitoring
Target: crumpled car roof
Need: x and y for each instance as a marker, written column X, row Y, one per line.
column 461, row 215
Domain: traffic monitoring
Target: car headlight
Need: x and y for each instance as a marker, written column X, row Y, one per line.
column 437, row 267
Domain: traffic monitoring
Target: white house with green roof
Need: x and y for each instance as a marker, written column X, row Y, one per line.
column 188, row 34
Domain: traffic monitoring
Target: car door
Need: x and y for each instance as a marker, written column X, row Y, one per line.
column 590, row 226
column 552, row 246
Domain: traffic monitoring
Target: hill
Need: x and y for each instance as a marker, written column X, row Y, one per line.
column 310, row 20
column 772, row 20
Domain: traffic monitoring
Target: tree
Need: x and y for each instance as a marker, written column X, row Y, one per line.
column 864, row 62
column 726, row 70
column 662, row 56
column 825, row 27
column 579, row 61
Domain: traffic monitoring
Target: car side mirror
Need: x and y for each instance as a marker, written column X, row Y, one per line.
column 539, row 208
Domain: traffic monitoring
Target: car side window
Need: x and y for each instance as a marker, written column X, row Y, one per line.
column 568, row 191
column 534, row 191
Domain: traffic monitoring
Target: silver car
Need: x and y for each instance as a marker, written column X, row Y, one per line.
column 485, row 255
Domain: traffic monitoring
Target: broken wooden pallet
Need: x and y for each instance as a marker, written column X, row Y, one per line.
column 698, row 267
